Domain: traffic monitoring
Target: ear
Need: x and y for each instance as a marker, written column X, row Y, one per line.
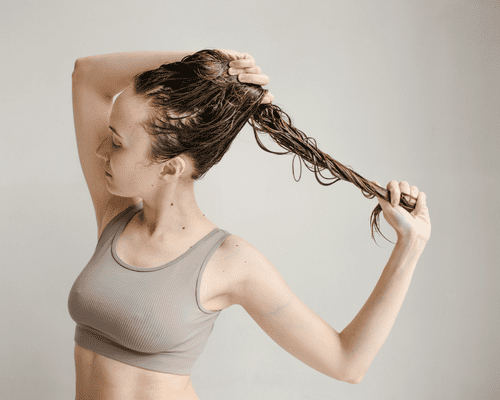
column 173, row 168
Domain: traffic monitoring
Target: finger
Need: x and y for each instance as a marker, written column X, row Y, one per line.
column 246, row 56
column 421, row 206
column 253, row 70
column 250, row 70
column 395, row 192
column 261, row 80
column 414, row 195
column 242, row 63
column 236, row 71
column 235, row 55
column 268, row 98
column 404, row 188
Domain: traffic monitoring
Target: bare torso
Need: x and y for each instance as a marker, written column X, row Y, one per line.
column 102, row 378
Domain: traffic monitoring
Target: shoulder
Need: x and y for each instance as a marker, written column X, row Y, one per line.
column 245, row 268
column 238, row 249
column 240, row 256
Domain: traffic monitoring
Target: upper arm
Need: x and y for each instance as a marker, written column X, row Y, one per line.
column 267, row 298
column 91, row 111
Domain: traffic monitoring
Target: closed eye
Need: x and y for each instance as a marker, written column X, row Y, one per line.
column 116, row 146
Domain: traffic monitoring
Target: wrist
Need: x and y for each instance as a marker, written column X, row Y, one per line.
column 412, row 241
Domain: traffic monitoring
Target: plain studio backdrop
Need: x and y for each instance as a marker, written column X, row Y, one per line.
column 404, row 90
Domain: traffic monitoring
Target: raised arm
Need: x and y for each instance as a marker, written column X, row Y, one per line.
column 109, row 74
column 345, row 356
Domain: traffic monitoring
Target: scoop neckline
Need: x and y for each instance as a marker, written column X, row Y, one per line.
column 122, row 227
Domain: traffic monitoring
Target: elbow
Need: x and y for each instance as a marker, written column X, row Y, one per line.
column 354, row 379
column 348, row 376
column 81, row 65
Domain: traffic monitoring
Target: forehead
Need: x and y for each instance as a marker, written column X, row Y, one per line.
column 128, row 110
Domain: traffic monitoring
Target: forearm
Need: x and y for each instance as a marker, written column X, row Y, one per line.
column 367, row 332
column 111, row 73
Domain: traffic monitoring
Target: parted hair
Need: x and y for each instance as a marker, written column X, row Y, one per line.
column 196, row 108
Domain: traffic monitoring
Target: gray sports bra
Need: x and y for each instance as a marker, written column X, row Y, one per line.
column 148, row 317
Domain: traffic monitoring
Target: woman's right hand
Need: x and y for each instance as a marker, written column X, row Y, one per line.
column 243, row 65
column 416, row 223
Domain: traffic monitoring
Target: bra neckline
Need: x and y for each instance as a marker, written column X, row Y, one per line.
column 122, row 227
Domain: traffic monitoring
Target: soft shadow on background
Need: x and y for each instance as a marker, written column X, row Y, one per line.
column 404, row 90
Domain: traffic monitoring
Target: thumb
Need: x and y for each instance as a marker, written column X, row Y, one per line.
column 383, row 203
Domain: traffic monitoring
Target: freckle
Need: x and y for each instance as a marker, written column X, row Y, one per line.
column 183, row 227
column 171, row 204
column 236, row 245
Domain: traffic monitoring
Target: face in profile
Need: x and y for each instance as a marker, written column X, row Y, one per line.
column 125, row 148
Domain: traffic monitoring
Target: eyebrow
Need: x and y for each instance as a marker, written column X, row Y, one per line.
column 113, row 129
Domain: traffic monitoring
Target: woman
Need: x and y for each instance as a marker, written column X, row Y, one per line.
column 146, row 302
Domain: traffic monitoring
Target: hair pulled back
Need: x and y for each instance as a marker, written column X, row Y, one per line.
column 197, row 109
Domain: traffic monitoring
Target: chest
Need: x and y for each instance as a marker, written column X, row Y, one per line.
column 214, row 286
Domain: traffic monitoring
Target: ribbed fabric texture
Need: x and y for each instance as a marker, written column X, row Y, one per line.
column 148, row 317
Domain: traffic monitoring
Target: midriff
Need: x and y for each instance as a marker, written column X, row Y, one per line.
column 102, row 378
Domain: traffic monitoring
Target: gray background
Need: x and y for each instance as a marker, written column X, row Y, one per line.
column 403, row 90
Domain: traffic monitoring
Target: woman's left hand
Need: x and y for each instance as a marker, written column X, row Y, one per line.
column 404, row 223
column 243, row 65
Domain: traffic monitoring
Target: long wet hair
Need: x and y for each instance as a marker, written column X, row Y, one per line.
column 197, row 109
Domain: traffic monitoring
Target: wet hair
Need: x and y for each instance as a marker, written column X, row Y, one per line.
column 196, row 108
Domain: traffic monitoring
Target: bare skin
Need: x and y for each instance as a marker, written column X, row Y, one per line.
column 99, row 377
column 118, row 175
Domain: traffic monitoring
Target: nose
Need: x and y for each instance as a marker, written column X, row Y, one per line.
column 103, row 149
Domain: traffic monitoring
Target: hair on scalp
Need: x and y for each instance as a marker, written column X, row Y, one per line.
column 197, row 109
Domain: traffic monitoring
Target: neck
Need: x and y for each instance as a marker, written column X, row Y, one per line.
column 172, row 212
